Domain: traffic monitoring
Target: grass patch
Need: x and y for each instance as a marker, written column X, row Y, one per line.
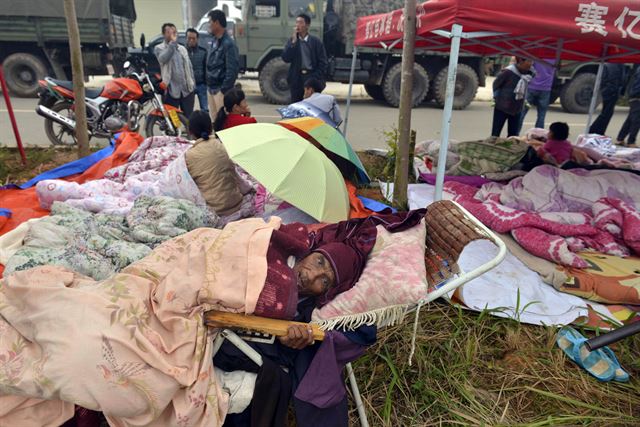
column 477, row 369
column 39, row 159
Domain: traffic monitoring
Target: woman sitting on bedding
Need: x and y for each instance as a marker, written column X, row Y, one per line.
column 235, row 112
column 214, row 173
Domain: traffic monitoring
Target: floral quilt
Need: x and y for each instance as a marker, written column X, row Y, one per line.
column 556, row 218
column 100, row 245
column 133, row 346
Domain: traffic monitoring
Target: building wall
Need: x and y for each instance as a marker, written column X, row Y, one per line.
column 153, row 13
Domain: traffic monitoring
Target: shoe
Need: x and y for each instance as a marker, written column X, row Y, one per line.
column 601, row 363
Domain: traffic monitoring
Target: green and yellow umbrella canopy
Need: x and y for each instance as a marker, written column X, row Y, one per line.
column 289, row 167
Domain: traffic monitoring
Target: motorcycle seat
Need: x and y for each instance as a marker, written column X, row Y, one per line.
column 89, row 92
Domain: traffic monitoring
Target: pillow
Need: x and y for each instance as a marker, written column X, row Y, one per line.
column 395, row 276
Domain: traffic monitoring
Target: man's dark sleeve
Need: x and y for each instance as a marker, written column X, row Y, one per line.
column 289, row 52
column 233, row 67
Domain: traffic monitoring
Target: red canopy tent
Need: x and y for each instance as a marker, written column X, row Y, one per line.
column 599, row 30
column 575, row 30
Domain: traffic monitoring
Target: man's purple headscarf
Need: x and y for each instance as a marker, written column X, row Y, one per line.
column 347, row 267
column 347, row 245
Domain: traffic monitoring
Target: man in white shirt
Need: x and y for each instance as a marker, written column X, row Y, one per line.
column 313, row 95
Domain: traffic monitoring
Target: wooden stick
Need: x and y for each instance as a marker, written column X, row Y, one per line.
column 279, row 328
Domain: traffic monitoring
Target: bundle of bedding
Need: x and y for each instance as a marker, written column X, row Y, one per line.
column 554, row 214
column 100, row 245
column 157, row 168
column 134, row 345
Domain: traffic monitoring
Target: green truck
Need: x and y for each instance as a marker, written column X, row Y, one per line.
column 34, row 42
column 267, row 24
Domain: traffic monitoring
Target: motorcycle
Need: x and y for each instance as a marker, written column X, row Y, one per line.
column 122, row 100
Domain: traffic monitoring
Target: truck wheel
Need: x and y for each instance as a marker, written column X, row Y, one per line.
column 375, row 92
column 22, row 72
column 576, row 94
column 466, row 87
column 391, row 85
column 273, row 82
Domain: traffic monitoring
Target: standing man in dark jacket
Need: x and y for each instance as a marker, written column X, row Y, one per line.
column 631, row 126
column 509, row 92
column 613, row 80
column 222, row 62
column 198, row 57
column 307, row 57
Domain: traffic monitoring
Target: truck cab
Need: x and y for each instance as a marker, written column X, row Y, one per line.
column 267, row 24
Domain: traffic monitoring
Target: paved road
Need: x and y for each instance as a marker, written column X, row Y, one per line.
column 368, row 120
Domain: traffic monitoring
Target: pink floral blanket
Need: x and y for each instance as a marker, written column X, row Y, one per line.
column 156, row 168
column 555, row 223
column 133, row 346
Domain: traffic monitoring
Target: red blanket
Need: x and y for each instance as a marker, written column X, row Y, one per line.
column 612, row 226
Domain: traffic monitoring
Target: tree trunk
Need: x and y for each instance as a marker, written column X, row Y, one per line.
column 401, row 181
column 82, row 136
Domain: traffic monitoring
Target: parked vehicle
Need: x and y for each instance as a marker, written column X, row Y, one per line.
column 267, row 24
column 34, row 41
column 124, row 99
column 574, row 86
column 231, row 8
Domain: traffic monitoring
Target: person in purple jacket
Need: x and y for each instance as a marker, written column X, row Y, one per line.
column 539, row 93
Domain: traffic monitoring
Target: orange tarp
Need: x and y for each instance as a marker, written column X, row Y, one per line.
column 24, row 204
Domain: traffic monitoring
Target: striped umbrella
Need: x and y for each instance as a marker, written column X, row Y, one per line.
column 328, row 139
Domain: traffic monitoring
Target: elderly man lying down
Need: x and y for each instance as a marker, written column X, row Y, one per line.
column 134, row 346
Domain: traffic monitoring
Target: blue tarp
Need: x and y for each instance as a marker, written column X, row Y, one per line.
column 375, row 205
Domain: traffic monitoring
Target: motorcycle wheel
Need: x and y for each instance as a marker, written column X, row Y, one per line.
column 59, row 134
column 156, row 125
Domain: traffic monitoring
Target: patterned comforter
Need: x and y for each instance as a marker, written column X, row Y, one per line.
column 133, row 346
column 100, row 245
column 554, row 214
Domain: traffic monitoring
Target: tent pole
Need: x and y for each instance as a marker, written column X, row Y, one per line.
column 594, row 97
column 456, row 34
column 351, row 77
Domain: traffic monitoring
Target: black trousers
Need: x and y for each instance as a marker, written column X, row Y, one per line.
column 500, row 117
column 185, row 103
column 600, row 125
column 631, row 125
column 296, row 87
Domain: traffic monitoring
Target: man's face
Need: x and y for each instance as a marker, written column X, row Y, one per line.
column 192, row 39
column 214, row 26
column 169, row 33
column 525, row 65
column 301, row 27
column 315, row 275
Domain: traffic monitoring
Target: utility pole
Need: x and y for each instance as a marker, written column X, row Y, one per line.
column 82, row 136
column 401, row 179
